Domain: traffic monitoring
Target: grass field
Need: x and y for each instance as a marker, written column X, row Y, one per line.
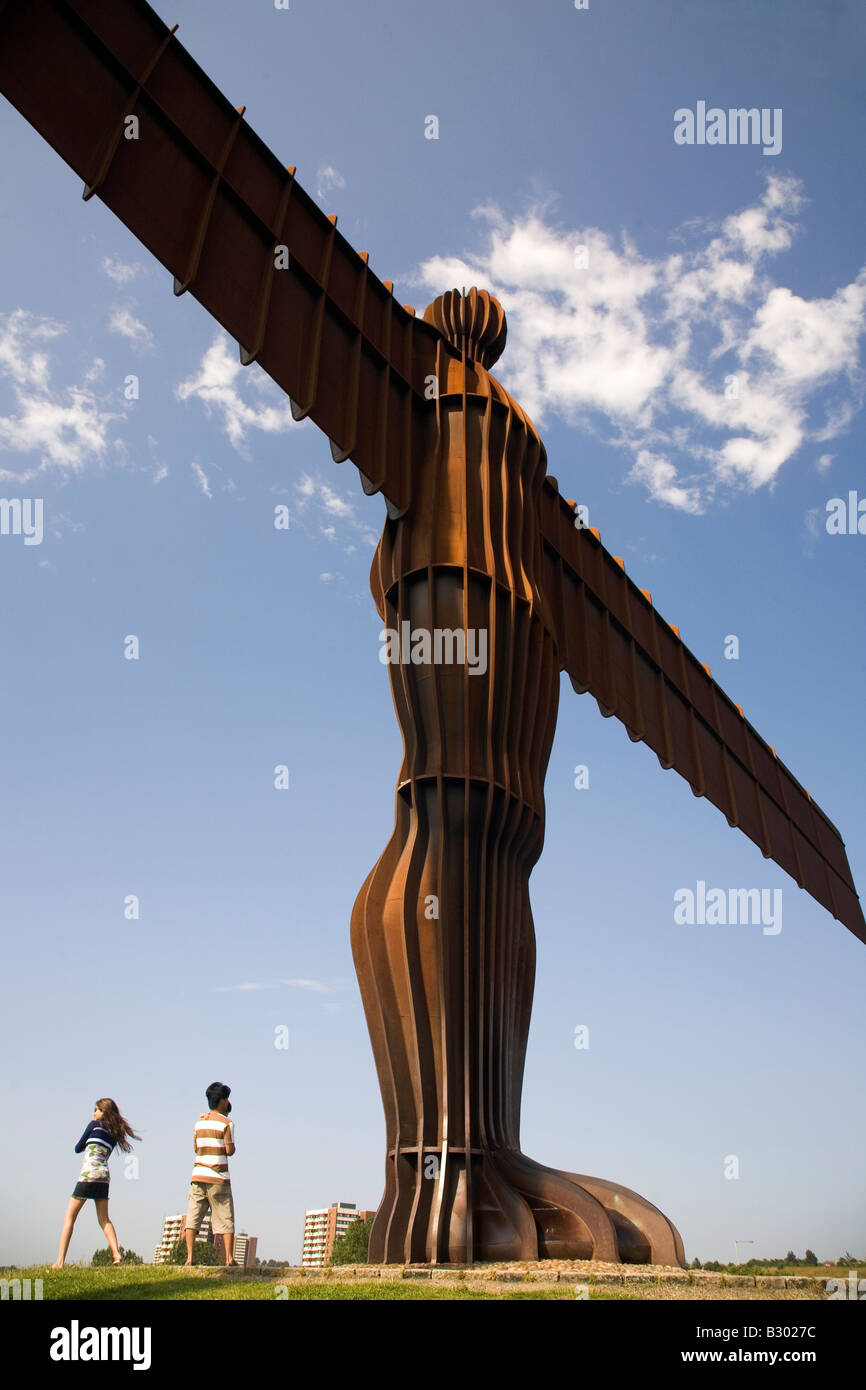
column 167, row 1282
column 141, row 1282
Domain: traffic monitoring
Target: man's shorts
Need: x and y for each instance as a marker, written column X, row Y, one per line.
column 217, row 1196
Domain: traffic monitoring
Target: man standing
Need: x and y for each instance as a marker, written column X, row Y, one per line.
column 214, row 1142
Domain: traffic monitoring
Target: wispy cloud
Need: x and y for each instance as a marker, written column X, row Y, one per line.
column 230, row 989
column 64, row 427
column 220, row 385
column 659, row 477
column 124, row 322
column 336, row 516
column 711, row 375
column 201, row 478
column 327, row 179
column 121, row 272
column 313, row 986
column 814, row 521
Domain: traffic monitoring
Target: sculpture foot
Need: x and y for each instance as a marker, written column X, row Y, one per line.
column 510, row 1208
column 641, row 1233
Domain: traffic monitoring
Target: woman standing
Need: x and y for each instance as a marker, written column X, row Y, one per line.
column 107, row 1129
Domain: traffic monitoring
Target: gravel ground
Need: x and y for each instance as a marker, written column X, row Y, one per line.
column 645, row 1282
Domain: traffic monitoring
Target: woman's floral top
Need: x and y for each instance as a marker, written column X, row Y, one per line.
column 96, row 1143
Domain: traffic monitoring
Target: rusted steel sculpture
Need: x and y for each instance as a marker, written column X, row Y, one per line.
column 442, row 931
column 477, row 541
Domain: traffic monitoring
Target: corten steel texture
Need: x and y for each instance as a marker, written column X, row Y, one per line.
column 478, row 540
column 203, row 192
column 442, row 931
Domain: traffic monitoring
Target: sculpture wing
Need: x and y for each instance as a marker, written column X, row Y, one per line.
column 613, row 643
column 205, row 195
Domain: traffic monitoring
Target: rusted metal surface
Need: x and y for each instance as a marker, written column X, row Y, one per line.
column 478, row 540
column 614, row 644
column 207, row 197
column 442, row 931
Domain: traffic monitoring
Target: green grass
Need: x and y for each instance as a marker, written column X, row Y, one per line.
column 149, row 1282
column 144, row 1283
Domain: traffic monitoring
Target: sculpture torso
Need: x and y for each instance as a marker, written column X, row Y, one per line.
column 468, row 556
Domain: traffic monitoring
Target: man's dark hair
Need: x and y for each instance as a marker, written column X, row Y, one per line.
column 216, row 1092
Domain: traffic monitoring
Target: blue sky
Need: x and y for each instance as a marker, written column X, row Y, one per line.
column 703, row 266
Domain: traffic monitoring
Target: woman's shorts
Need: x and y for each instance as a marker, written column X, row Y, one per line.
column 90, row 1189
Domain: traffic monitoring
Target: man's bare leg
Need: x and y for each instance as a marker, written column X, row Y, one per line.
column 189, row 1235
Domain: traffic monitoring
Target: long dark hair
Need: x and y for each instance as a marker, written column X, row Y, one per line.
column 120, row 1129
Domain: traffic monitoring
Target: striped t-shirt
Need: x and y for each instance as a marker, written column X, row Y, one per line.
column 210, row 1136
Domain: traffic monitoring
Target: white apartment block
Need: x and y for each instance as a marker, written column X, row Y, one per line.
column 172, row 1230
column 322, row 1226
column 245, row 1248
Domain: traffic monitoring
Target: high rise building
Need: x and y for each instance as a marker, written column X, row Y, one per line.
column 245, row 1248
column 323, row 1225
column 172, row 1230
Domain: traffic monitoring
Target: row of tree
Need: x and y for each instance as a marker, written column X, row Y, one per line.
column 350, row 1249
column 127, row 1257
column 846, row 1261
column 204, row 1254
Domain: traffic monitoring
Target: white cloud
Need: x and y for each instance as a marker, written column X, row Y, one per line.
column 334, row 504
column 20, row 359
column 61, row 522
column 201, row 478
column 328, row 178
column 805, row 341
column 217, row 386
column 198, row 471
column 315, row 986
column 124, row 322
column 711, row 375
column 121, row 272
column 336, row 515
column 64, row 427
column 814, row 519
column 659, row 476
column 227, row 989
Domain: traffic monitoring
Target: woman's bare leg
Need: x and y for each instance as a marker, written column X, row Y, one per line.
column 75, row 1205
column 107, row 1229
